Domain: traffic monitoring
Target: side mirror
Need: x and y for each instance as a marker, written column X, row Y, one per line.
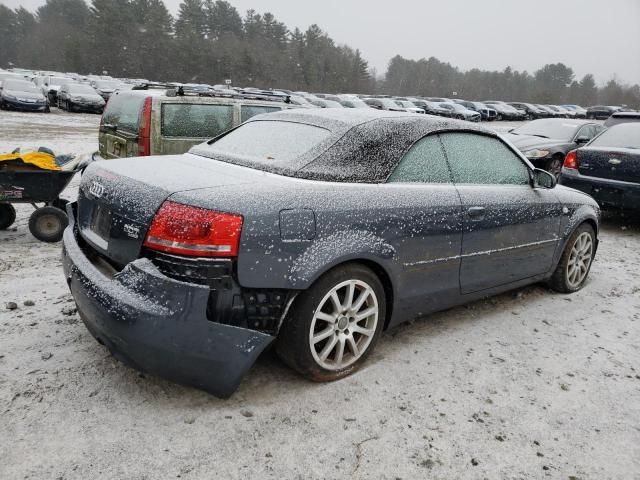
column 543, row 179
column 582, row 139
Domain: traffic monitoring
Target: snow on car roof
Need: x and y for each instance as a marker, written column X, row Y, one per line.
column 364, row 145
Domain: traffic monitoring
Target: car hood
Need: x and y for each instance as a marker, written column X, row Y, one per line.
column 29, row 95
column 88, row 98
column 529, row 142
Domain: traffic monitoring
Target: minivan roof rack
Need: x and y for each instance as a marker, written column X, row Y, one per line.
column 178, row 90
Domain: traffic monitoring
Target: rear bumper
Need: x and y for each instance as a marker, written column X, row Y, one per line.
column 608, row 193
column 157, row 324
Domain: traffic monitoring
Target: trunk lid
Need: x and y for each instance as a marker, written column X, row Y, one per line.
column 118, row 199
column 611, row 163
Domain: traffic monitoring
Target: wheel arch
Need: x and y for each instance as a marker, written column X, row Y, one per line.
column 376, row 266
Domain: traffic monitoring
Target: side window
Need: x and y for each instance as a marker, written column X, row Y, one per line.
column 248, row 111
column 195, row 121
column 481, row 159
column 423, row 163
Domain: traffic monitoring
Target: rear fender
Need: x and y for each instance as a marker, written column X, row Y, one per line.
column 325, row 253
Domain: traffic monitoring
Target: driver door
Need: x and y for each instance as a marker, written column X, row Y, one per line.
column 510, row 229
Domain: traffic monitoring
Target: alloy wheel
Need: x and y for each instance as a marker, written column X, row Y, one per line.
column 344, row 324
column 580, row 260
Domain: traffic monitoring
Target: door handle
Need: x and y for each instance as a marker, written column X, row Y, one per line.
column 476, row 213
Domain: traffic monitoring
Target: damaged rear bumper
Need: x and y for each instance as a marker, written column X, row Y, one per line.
column 157, row 324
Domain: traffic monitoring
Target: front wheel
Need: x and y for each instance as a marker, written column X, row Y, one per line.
column 333, row 327
column 574, row 266
column 554, row 166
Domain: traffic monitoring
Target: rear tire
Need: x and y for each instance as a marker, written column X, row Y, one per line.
column 333, row 326
column 47, row 224
column 7, row 215
column 574, row 266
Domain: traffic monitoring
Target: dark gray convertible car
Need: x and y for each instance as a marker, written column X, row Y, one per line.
column 313, row 230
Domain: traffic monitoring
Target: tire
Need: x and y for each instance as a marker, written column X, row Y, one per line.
column 576, row 254
column 47, row 224
column 7, row 215
column 554, row 166
column 294, row 343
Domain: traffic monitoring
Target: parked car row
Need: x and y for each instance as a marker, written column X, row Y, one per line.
column 38, row 91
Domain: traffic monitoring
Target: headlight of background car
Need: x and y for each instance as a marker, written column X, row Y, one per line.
column 9, row 97
column 536, row 153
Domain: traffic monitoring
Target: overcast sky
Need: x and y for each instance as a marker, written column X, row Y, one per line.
column 591, row 36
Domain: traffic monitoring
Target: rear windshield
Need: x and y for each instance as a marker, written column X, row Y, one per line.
column 196, row 121
column 123, row 111
column 625, row 135
column 249, row 111
column 269, row 142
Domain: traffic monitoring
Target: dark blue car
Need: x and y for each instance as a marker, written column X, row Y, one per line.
column 313, row 230
column 608, row 168
column 22, row 95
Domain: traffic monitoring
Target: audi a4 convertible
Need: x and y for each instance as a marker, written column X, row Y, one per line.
column 312, row 230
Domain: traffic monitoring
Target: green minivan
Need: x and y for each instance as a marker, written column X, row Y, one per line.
column 160, row 122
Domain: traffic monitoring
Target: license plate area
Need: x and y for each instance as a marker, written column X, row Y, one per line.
column 101, row 221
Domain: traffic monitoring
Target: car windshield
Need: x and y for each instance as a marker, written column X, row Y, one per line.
column 387, row 102
column 354, row 103
column 624, row 135
column 20, row 86
column 59, row 80
column 562, row 130
column 104, row 84
column 86, row 89
column 267, row 142
column 453, row 106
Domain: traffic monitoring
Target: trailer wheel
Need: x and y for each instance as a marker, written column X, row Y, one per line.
column 7, row 215
column 47, row 224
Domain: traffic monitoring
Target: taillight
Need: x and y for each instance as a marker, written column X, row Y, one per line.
column 144, row 131
column 571, row 160
column 194, row 231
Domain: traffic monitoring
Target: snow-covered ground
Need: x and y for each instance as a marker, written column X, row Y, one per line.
column 530, row 384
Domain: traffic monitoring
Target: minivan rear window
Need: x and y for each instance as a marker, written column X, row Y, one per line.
column 123, row 111
column 195, row 121
column 248, row 111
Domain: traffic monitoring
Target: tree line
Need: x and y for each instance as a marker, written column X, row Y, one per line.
column 551, row 84
column 209, row 41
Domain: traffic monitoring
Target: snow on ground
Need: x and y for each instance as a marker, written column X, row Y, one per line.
column 527, row 385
